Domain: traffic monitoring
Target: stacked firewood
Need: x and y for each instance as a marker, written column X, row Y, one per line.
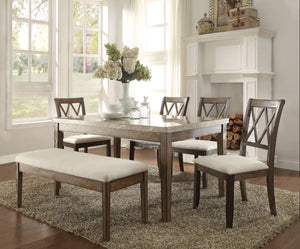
column 234, row 132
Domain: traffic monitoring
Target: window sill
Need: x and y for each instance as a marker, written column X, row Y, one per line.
column 30, row 124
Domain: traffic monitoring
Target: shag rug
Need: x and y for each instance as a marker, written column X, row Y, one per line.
column 78, row 211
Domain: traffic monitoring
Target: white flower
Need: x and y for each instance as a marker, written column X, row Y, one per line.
column 130, row 53
column 113, row 70
column 129, row 65
column 100, row 73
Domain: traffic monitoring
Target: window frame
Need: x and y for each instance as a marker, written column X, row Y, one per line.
column 30, row 88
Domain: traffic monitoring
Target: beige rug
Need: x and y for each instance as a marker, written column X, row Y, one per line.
column 78, row 211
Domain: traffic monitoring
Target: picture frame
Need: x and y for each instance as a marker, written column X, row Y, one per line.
column 218, row 13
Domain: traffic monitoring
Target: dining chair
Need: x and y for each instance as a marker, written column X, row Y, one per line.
column 260, row 129
column 170, row 106
column 208, row 107
column 74, row 107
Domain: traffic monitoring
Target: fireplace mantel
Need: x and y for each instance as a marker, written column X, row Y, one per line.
column 239, row 56
column 236, row 64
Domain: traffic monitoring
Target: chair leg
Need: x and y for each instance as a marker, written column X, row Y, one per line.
column 131, row 150
column 180, row 159
column 229, row 201
column 271, row 195
column 108, row 149
column 243, row 190
column 158, row 162
column 144, row 197
column 106, row 211
column 197, row 180
column 19, row 186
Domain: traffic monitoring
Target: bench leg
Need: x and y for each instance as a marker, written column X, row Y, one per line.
column 57, row 186
column 144, row 197
column 106, row 210
column 19, row 186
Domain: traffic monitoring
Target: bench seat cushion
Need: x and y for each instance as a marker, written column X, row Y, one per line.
column 90, row 166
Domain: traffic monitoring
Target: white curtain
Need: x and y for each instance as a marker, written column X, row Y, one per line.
column 179, row 25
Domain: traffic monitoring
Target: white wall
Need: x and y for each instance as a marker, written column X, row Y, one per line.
column 282, row 17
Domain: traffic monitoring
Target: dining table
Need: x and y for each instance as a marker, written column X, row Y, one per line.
column 160, row 128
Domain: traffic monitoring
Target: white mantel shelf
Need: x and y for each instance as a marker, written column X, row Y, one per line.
column 229, row 35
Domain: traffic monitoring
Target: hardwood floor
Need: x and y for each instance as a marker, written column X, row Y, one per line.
column 19, row 231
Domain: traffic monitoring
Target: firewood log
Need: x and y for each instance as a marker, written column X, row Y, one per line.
column 229, row 128
column 207, row 137
column 234, row 146
column 236, row 129
column 237, row 136
column 231, row 123
column 230, row 135
column 238, row 122
column 236, row 116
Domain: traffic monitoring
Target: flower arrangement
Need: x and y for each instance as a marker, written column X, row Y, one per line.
column 122, row 67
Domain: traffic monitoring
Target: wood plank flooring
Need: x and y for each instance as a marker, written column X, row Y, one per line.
column 19, row 231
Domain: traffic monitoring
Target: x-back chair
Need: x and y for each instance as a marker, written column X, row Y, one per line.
column 208, row 107
column 74, row 107
column 260, row 129
column 170, row 106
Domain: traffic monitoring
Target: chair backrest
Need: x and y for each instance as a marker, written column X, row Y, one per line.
column 214, row 107
column 66, row 107
column 261, row 123
column 176, row 106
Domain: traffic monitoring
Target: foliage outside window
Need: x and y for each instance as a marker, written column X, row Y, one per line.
column 30, row 59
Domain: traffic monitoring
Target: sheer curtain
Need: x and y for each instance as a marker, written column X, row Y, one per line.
column 134, row 34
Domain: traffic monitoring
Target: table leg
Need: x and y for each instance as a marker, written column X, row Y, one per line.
column 166, row 176
column 117, row 147
column 221, row 140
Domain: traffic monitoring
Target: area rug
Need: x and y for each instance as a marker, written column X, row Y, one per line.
column 78, row 211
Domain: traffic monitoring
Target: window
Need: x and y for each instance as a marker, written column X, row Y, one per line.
column 89, row 34
column 156, row 51
column 30, row 59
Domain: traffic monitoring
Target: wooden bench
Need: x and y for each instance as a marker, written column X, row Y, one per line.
column 99, row 173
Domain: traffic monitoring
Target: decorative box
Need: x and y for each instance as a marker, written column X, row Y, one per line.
column 242, row 12
column 243, row 23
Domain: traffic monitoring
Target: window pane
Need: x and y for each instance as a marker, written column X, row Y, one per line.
column 39, row 40
column 30, row 107
column 92, row 15
column 77, row 13
column 20, row 33
column 91, row 104
column 155, row 99
column 77, row 41
column 91, row 65
column 20, row 67
column 77, row 67
column 39, row 68
column 158, row 77
column 39, row 10
column 155, row 12
column 155, row 39
column 92, row 42
column 20, row 8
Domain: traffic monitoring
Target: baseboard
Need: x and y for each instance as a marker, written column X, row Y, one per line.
column 287, row 165
column 8, row 159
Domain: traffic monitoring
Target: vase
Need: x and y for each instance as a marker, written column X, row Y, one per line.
column 126, row 101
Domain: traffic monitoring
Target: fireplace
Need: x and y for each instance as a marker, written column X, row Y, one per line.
column 236, row 64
